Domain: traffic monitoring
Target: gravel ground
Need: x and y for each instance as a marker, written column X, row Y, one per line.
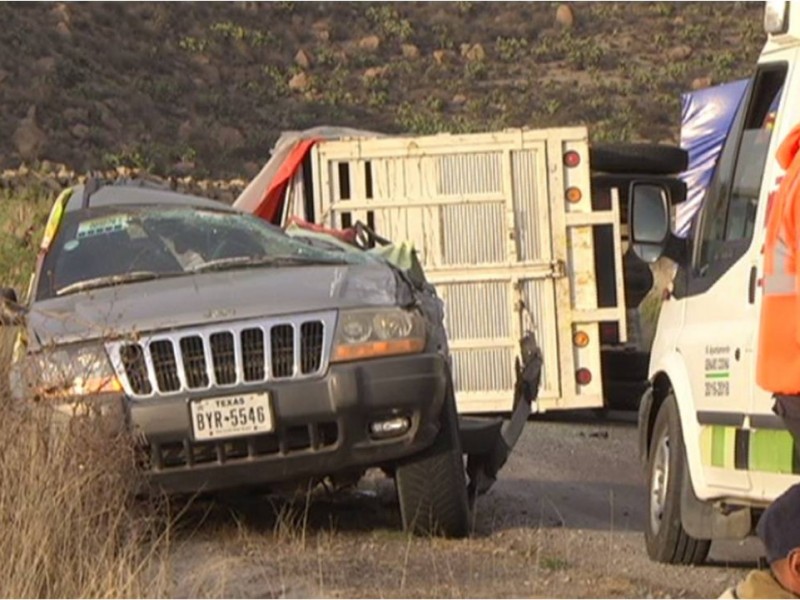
column 565, row 519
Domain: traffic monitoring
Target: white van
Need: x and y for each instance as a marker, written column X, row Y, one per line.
column 715, row 454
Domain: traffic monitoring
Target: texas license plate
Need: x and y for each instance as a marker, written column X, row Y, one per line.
column 231, row 416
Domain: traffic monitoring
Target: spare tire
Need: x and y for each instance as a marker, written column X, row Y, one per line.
column 652, row 159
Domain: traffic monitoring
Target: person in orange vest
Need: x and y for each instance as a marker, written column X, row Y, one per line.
column 778, row 357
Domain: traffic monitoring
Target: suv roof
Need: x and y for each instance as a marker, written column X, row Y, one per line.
column 136, row 193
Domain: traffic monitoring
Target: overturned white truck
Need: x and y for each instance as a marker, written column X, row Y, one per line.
column 520, row 231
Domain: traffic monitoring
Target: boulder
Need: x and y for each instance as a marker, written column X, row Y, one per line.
column 443, row 56
column 370, row 43
column 679, row 53
column 565, row 16
column 375, row 72
column 410, row 51
column 476, row 53
column 303, row 59
column 299, row 82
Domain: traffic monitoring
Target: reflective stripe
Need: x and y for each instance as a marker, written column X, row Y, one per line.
column 771, row 451
column 779, row 284
column 722, row 447
column 780, row 255
column 762, row 450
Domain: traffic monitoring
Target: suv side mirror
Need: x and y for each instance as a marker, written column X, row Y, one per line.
column 11, row 313
column 649, row 220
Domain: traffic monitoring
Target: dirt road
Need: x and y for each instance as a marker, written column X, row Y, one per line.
column 564, row 520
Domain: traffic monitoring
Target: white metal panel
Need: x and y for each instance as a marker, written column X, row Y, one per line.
column 487, row 215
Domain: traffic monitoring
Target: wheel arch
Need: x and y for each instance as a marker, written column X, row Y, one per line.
column 670, row 376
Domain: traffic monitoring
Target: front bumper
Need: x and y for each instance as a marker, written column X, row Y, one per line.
column 321, row 427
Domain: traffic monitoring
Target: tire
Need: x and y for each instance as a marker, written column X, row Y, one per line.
column 648, row 159
column 432, row 486
column 665, row 537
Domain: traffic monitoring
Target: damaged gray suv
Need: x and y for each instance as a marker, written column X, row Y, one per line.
column 240, row 356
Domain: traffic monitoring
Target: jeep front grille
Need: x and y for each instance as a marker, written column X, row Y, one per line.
column 214, row 357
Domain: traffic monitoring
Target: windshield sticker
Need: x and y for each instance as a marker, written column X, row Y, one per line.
column 102, row 226
column 71, row 245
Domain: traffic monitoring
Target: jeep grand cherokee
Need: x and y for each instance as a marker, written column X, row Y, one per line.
column 238, row 355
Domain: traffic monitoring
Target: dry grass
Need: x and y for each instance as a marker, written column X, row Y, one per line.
column 23, row 214
column 71, row 526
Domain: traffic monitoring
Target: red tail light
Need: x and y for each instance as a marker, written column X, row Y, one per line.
column 583, row 376
column 572, row 158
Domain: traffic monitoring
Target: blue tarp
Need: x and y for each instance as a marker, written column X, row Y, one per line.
column 706, row 117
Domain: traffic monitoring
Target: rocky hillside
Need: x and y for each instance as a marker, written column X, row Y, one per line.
column 179, row 88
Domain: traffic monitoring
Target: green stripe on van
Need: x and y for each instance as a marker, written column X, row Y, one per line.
column 719, row 441
column 718, row 375
column 764, row 450
column 771, row 451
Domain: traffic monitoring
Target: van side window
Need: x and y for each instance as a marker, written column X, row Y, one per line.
column 752, row 158
column 729, row 219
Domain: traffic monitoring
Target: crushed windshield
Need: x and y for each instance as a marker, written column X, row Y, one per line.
column 104, row 246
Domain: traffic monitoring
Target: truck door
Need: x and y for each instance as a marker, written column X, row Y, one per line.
column 720, row 287
column 507, row 251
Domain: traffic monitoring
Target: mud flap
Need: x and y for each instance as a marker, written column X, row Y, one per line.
column 488, row 442
column 704, row 520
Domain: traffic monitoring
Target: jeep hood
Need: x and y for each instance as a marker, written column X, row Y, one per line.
column 201, row 299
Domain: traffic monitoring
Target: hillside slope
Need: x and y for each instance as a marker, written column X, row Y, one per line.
column 206, row 88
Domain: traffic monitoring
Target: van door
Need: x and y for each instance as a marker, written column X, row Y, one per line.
column 720, row 286
column 489, row 217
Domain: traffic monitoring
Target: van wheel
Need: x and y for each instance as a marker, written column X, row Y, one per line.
column 665, row 537
column 432, row 486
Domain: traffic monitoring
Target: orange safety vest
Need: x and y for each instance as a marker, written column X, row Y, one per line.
column 778, row 357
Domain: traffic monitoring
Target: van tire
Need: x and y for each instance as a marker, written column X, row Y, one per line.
column 432, row 486
column 647, row 159
column 665, row 537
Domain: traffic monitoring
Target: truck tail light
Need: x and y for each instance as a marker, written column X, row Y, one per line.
column 583, row 376
column 580, row 339
column 574, row 195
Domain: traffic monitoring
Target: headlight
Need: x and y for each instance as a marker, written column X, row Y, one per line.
column 70, row 371
column 383, row 332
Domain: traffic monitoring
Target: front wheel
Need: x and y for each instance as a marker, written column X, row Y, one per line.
column 665, row 537
column 432, row 486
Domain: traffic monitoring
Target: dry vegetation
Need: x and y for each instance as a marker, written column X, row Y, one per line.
column 205, row 88
column 71, row 526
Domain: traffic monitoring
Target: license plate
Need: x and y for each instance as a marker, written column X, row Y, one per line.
column 231, row 416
